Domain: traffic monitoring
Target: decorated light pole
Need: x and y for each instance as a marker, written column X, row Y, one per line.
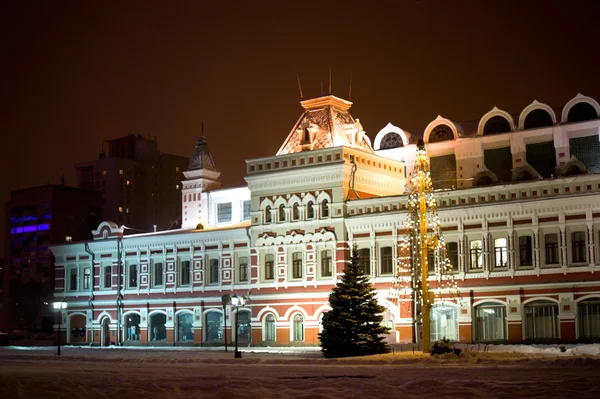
column 423, row 244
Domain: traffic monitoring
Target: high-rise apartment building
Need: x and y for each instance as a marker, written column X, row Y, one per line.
column 140, row 185
column 36, row 218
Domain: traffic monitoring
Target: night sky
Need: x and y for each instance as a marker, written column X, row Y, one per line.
column 75, row 74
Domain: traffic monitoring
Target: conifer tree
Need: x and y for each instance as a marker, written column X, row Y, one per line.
column 353, row 325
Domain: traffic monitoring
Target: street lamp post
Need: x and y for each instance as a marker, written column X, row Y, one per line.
column 225, row 300
column 237, row 302
column 59, row 306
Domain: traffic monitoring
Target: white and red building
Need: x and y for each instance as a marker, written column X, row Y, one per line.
column 519, row 201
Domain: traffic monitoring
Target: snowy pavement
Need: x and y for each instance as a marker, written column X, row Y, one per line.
column 83, row 372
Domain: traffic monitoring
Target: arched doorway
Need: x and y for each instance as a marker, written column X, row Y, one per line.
column 105, row 338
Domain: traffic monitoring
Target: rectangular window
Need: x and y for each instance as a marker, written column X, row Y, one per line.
column 525, row 251
column 269, row 267
column 133, row 276
column 452, row 253
column 501, row 252
column 184, row 272
column 297, row 265
column 490, row 323
column 476, row 248
column 431, row 261
column 158, row 274
column 387, row 260
column 73, row 282
column 224, row 212
column 243, row 269
column 87, row 277
column 578, row 247
column 364, row 256
column 551, row 241
column 326, row 266
column 214, row 271
column 246, row 210
column 107, row 276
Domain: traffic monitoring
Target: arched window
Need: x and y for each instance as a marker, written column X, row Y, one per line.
column 298, row 328
column 589, row 318
column 440, row 133
column 185, row 327
column 296, row 211
column 214, row 327
column 158, row 329
column 132, row 327
column 244, row 329
column 582, row 112
column 281, row 213
column 484, row 181
column 270, row 328
column 524, row 176
column 496, row 124
column 325, row 208
column 541, row 320
column 444, row 323
column 268, row 214
column 573, row 170
column 537, row 118
column 490, row 322
column 391, row 140
column 310, row 211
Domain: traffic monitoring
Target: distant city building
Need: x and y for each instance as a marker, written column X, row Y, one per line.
column 36, row 218
column 519, row 207
column 141, row 186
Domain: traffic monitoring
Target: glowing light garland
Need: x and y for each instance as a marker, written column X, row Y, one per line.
column 407, row 287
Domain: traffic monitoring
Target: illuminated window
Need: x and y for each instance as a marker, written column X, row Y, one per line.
column 177, row 187
column 224, row 212
column 104, row 172
column 68, row 238
column 501, row 251
column 120, row 209
column 476, row 248
column 298, row 328
column 120, row 171
column 176, row 168
column 246, row 210
column 87, row 278
column 128, row 182
column 127, row 210
column 270, row 328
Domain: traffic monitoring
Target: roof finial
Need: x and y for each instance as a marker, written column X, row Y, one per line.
column 350, row 88
column 299, row 86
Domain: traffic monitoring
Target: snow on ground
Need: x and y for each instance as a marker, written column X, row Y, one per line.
column 83, row 372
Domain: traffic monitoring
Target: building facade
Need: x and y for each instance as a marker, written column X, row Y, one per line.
column 519, row 203
column 37, row 218
column 140, row 185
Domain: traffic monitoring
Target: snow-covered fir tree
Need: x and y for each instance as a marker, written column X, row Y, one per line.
column 353, row 325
